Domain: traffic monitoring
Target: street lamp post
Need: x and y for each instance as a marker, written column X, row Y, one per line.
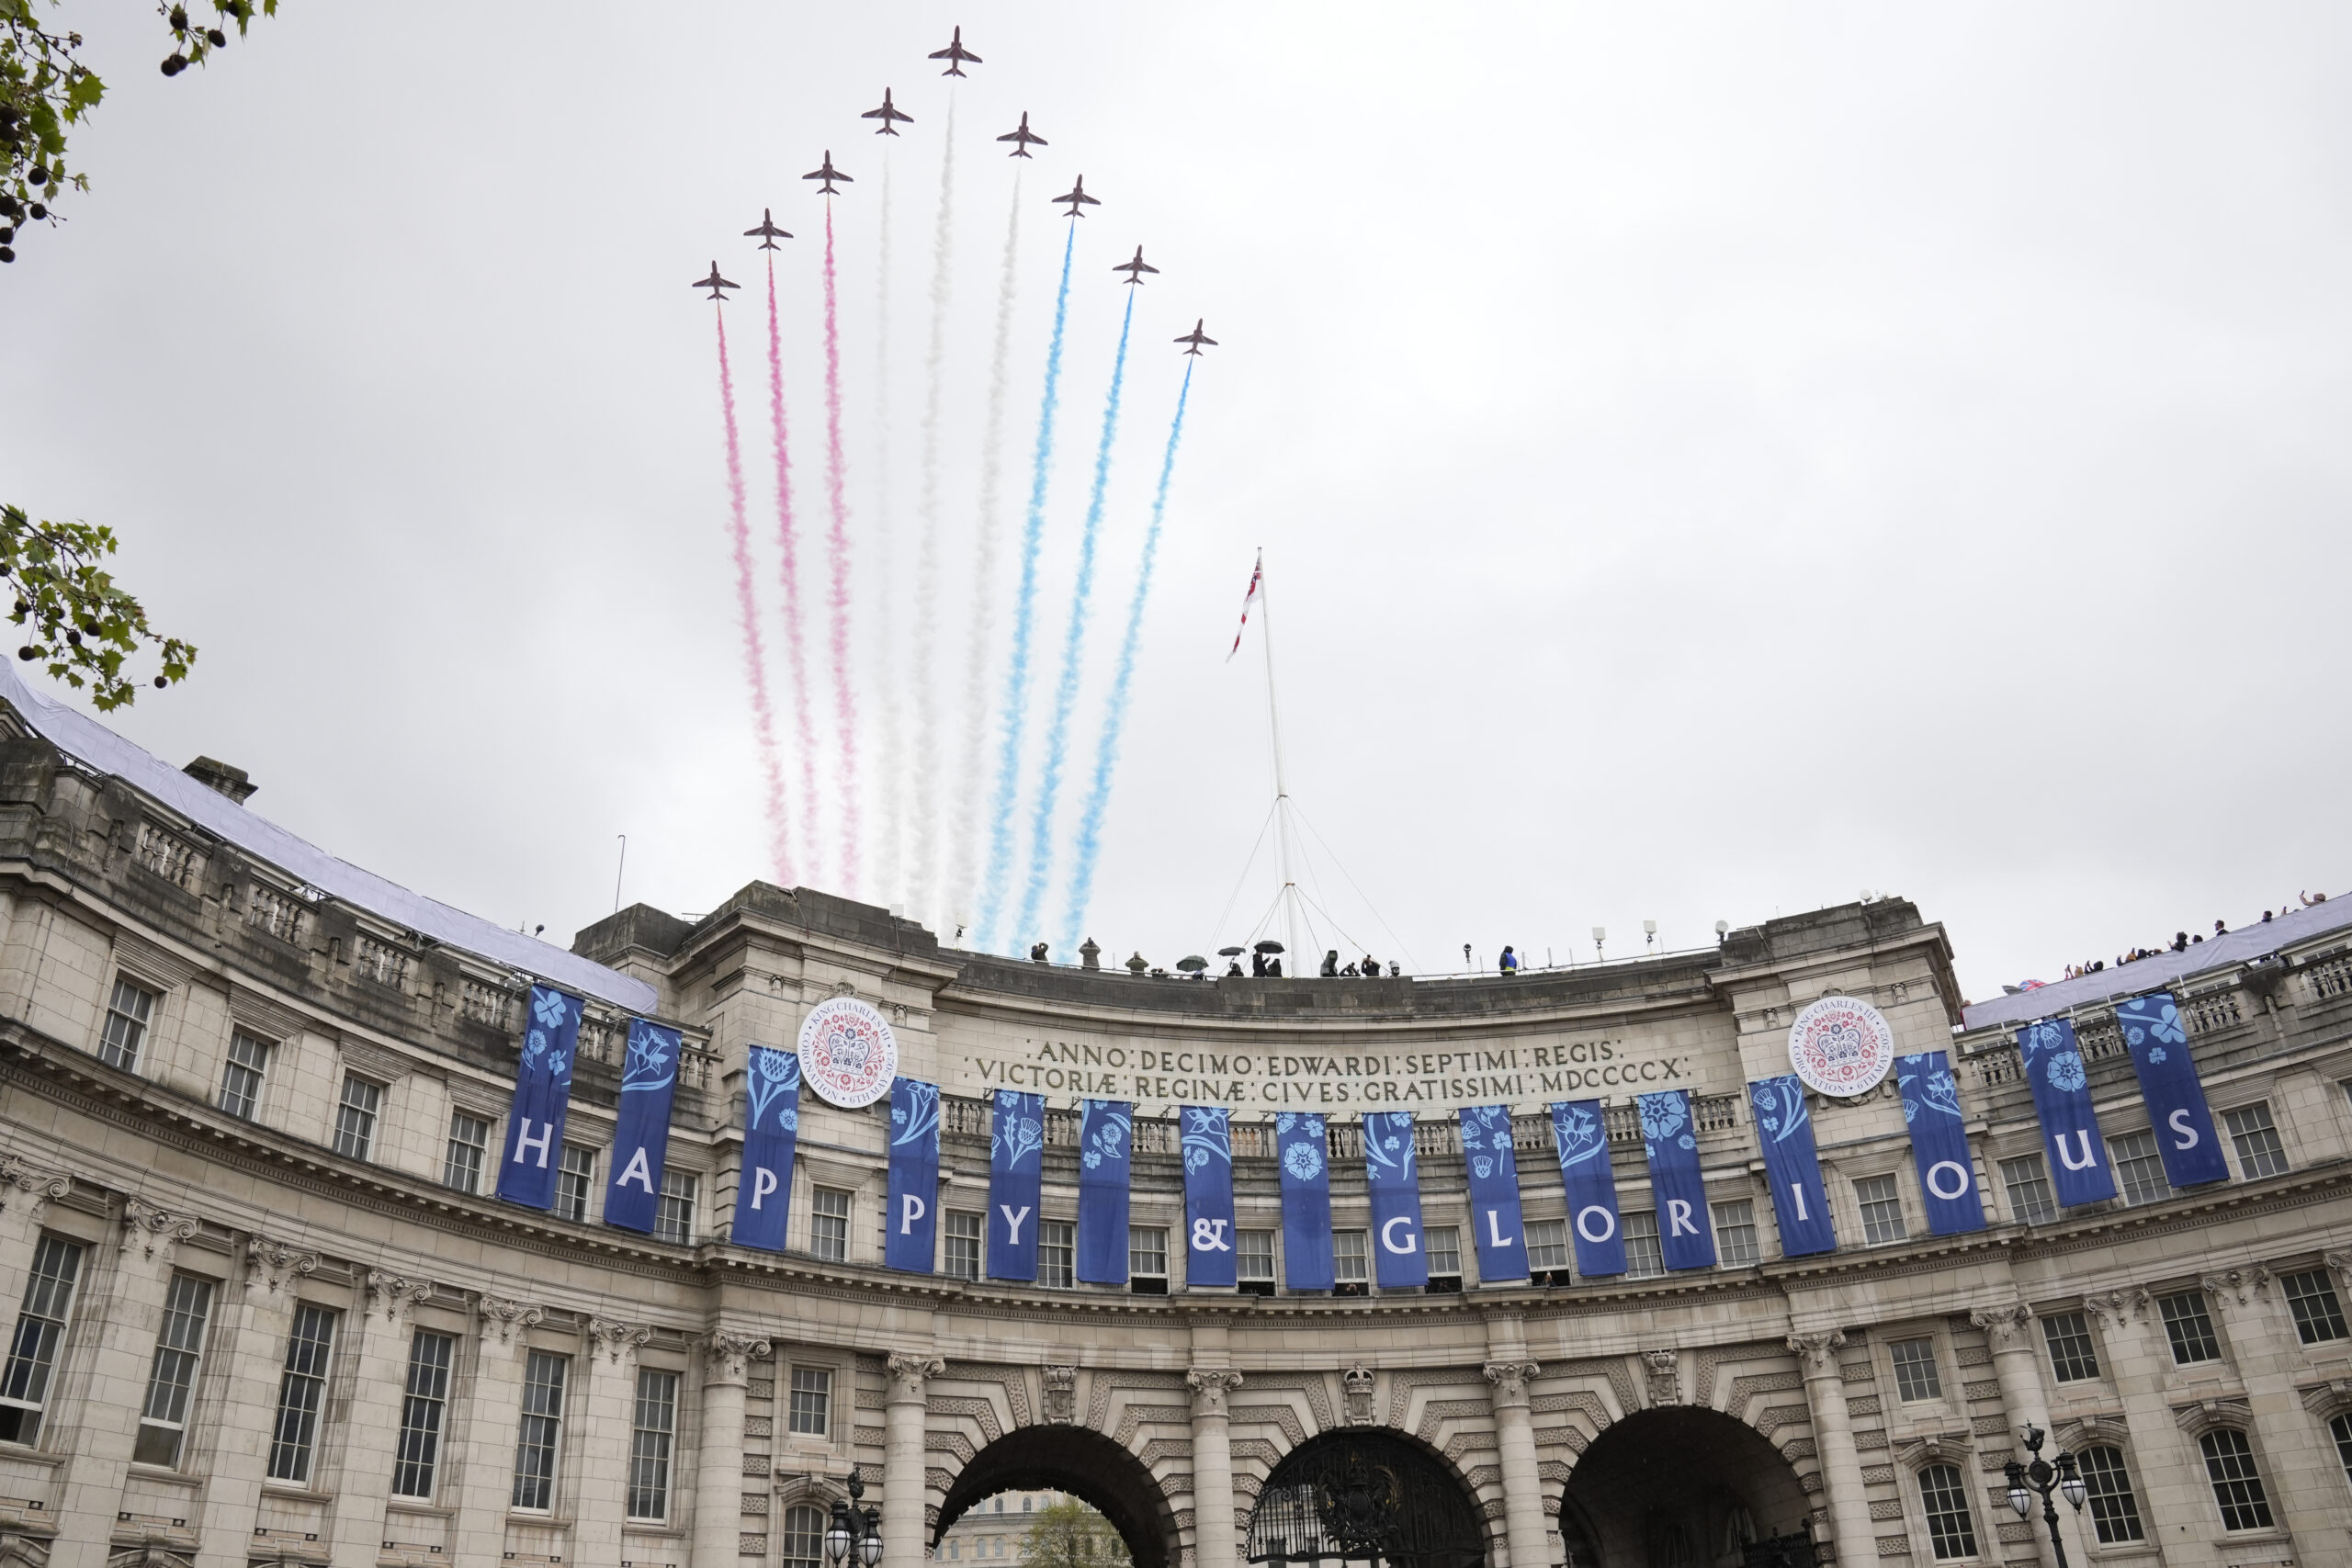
column 855, row 1533
column 2042, row 1478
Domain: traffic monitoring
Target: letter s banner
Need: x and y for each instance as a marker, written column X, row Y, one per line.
column 2159, row 1044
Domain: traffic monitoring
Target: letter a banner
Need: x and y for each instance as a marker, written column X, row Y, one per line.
column 1208, row 1195
column 1583, row 1138
column 641, row 1139
column 1394, row 1174
column 771, row 1133
column 2061, row 1099
column 912, row 1221
column 1494, row 1192
column 1306, row 1200
column 1685, row 1232
column 1792, row 1166
column 1940, row 1144
column 542, row 1095
column 2176, row 1096
column 1016, row 1163
column 1104, row 1162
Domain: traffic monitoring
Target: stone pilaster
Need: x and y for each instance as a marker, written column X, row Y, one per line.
column 256, row 1320
column 1522, row 1484
column 902, row 1478
column 2016, row 1365
column 1213, row 1521
column 605, row 1379
column 727, row 1359
column 379, row 1344
column 1833, row 1440
column 495, row 1417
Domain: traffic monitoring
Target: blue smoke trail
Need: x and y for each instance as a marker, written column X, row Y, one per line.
column 1040, row 843
column 1024, row 615
column 1114, row 712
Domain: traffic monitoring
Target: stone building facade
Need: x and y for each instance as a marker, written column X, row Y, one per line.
column 265, row 1313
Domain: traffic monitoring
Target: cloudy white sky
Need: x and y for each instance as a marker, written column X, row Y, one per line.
column 1710, row 460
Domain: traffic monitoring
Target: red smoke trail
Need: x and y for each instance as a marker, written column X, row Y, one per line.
column 788, row 542
column 754, row 654
column 837, row 600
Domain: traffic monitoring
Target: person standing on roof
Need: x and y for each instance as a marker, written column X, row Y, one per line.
column 1510, row 961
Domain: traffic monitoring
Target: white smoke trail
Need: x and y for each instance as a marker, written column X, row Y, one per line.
column 891, row 782
column 925, row 891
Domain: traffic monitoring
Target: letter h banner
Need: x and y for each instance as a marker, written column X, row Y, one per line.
column 542, row 1098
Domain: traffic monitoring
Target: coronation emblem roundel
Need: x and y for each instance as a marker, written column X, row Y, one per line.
column 1841, row 1045
column 847, row 1053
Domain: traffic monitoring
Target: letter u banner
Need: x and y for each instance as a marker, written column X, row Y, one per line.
column 1305, row 1153
column 1393, row 1172
column 1016, row 1167
column 1208, row 1195
column 1671, row 1138
column 642, row 1138
column 1940, row 1144
column 771, row 1132
column 912, row 1221
column 542, row 1095
column 2061, row 1099
column 1494, row 1192
column 1105, row 1164
column 2176, row 1096
column 1583, row 1138
column 1792, row 1165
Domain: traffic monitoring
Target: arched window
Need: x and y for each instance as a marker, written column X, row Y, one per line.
column 804, row 1537
column 1943, row 1498
column 2237, row 1486
column 2114, row 1511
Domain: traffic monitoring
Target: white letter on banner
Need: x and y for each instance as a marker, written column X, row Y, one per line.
column 1208, row 1236
column 1797, row 1189
column 1608, row 1223
column 911, row 1208
column 2180, row 1120
column 2088, row 1160
column 1495, row 1230
column 523, row 1140
column 1960, row 1177
column 1012, row 1222
column 1677, row 1217
column 762, row 1185
column 638, row 1171
column 1388, row 1237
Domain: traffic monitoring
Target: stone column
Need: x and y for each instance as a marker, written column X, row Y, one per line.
column 25, row 1194
column 1522, row 1484
column 719, row 1459
column 494, row 1416
column 902, row 1477
column 1213, row 1523
column 2017, row 1364
column 1833, row 1442
column 379, row 1348
column 607, row 1396
column 253, row 1343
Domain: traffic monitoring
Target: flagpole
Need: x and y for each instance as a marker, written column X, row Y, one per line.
column 1282, row 791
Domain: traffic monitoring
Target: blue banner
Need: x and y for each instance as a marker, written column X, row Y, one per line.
column 1792, row 1166
column 909, row 1242
column 1105, row 1151
column 1208, row 1195
column 1393, row 1172
column 1306, row 1200
column 1016, row 1163
column 1940, row 1144
column 542, row 1095
column 2061, row 1099
column 1685, row 1232
column 770, row 1131
column 2176, row 1097
column 641, row 1137
column 1583, row 1138
column 1494, row 1192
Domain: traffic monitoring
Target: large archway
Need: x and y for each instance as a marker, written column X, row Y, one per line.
column 1680, row 1488
column 1370, row 1496
column 1087, row 1465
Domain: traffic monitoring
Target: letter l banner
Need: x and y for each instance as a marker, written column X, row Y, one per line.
column 542, row 1095
column 2176, row 1096
column 771, row 1133
column 642, row 1138
column 1017, row 1161
column 1685, row 1232
column 1306, row 1200
column 1792, row 1166
column 1394, row 1174
column 1940, row 1144
column 2061, row 1099
column 912, row 1220
column 1208, row 1195
column 1105, row 1165
column 1494, row 1192
column 1583, row 1138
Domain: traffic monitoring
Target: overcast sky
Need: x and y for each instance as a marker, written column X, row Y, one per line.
column 1709, row 461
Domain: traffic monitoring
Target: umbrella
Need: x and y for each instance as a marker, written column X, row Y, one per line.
column 1230, row 951
column 1269, row 945
column 1193, row 965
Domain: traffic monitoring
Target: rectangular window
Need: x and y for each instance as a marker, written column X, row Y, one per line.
column 299, row 1394
column 2190, row 1328
column 649, row 1445
column 2072, row 1356
column 673, row 1221
column 242, row 1078
column 2031, row 1203
column 1736, row 1233
column 812, row 1402
column 574, row 1179
column 829, row 1225
column 1547, row 1245
column 32, row 1352
column 1943, row 1497
column 1444, row 1242
column 427, row 1402
column 1644, row 1256
column 469, row 1141
column 2237, row 1488
column 1058, row 1253
column 1351, row 1264
column 964, row 1232
column 2341, row 1430
column 538, row 1443
column 2115, row 1512
column 127, row 1015
column 1147, row 1258
column 354, row 1119
column 2138, row 1168
column 1914, row 1369
column 179, row 1353
column 1882, row 1204
column 2311, row 1297
column 2259, row 1151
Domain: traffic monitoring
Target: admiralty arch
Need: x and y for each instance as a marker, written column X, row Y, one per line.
column 268, row 1310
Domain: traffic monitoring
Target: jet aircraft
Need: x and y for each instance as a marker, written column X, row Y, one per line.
column 886, row 114
column 1135, row 269
column 828, row 174
column 957, row 56
column 714, row 283
column 767, row 234
column 1198, row 338
column 1076, row 198
column 1022, row 139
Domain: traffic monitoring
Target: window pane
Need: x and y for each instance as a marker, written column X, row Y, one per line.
column 2190, row 1328
column 2341, row 1430
column 535, row 1445
column 1349, row 1262
column 2072, row 1356
column 2259, row 1151
column 1943, row 1497
column 127, row 1015
column 674, row 1220
column 32, row 1353
column 2237, row 1490
column 2138, row 1168
column 573, row 1181
column 421, row 1413
column 2115, row 1513
column 2311, row 1297
column 1253, row 1255
column 1881, row 1205
column 2030, row 1202
column 1444, row 1242
column 179, row 1351
column 829, row 1225
column 1644, row 1256
column 354, row 1119
column 1914, row 1369
column 1146, row 1250
column 963, row 1243
column 812, row 1401
column 1547, row 1245
column 300, row 1392
column 804, row 1537
column 1735, row 1244
column 649, row 1455
column 243, row 1076
column 469, row 1138
column 1058, row 1253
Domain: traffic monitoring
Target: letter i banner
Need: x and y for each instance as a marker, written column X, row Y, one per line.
column 1305, row 1153
column 1208, row 1195
column 2176, row 1096
column 1585, row 1171
column 1671, row 1138
column 1016, row 1166
column 542, row 1097
column 2061, row 1099
column 912, row 1218
column 1792, row 1166
column 1940, row 1144
column 1393, row 1172
column 1494, row 1192
column 771, row 1134
column 1105, row 1159
column 642, row 1138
